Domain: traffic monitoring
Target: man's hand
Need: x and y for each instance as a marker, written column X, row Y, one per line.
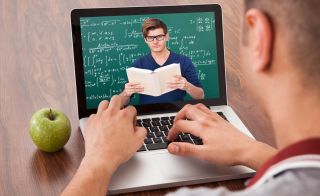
column 132, row 87
column 105, row 151
column 106, row 130
column 223, row 144
column 178, row 82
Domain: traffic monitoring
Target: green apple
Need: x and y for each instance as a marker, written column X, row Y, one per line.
column 49, row 129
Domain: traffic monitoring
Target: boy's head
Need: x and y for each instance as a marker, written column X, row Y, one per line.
column 280, row 43
column 155, row 34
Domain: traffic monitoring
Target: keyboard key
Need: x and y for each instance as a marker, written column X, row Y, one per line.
column 148, row 141
column 178, row 139
column 154, row 129
column 157, row 146
column 139, row 124
column 159, row 134
column 188, row 141
column 155, row 123
column 139, row 120
column 194, row 137
column 171, row 122
column 155, row 119
column 165, row 139
column 157, row 140
column 142, row 148
column 163, row 128
column 172, row 117
column 185, row 137
column 146, row 120
column 198, row 141
column 146, row 124
column 165, row 122
column 150, row 135
column 165, row 118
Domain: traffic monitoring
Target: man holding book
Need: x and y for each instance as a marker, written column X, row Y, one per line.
column 156, row 35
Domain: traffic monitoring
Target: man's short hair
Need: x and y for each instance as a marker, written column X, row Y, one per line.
column 298, row 23
column 151, row 24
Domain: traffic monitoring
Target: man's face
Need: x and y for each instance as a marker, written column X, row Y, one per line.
column 159, row 41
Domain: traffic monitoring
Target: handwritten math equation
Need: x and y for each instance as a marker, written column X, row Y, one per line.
column 110, row 46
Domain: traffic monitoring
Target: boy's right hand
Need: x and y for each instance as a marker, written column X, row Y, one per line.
column 223, row 144
column 132, row 87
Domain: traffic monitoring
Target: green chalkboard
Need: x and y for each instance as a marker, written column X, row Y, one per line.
column 111, row 43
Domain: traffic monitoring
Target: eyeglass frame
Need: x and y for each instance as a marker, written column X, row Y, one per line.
column 155, row 37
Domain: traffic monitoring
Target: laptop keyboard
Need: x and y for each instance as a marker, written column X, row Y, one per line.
column 157, row 132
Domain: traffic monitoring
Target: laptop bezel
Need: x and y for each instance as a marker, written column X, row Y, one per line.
column 76, row 14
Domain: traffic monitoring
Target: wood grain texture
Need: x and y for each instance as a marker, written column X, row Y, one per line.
column 37, row 70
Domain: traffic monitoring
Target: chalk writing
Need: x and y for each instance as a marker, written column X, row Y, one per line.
column 111, row 44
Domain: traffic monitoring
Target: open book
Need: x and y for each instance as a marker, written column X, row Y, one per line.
column 154, row 82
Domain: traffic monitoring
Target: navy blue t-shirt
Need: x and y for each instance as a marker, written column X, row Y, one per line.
column 188, row 71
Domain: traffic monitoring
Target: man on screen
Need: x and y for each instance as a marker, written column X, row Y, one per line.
column 156, row 35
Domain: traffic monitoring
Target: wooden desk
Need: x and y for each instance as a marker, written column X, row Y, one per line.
column 37, row 70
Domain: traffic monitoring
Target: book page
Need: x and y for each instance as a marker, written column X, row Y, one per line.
column 147, row 79
column 166, row 74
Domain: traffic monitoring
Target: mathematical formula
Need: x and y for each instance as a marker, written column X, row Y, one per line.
column 111, row 46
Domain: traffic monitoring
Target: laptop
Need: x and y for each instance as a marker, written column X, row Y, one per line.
column 106, row 41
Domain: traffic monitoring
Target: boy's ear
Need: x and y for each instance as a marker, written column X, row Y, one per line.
column 261, row 38
column 167, row 37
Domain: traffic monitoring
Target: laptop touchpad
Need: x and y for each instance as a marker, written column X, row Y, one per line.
column 177, row 167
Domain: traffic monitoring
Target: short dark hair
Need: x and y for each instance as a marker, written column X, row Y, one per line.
column 151, row 24
column 299, row 25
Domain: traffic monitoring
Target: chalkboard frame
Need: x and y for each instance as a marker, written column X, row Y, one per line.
column 76, row 14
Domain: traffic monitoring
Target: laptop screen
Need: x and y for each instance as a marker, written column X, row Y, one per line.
column 111, row 42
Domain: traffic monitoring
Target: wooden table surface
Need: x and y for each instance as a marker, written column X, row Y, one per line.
column 37, row 70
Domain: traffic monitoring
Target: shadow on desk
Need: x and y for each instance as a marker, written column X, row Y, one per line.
column 50, row 167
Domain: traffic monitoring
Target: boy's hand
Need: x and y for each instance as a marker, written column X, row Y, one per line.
column 111, row 134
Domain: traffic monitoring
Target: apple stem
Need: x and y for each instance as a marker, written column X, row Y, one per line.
column 51, row 117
